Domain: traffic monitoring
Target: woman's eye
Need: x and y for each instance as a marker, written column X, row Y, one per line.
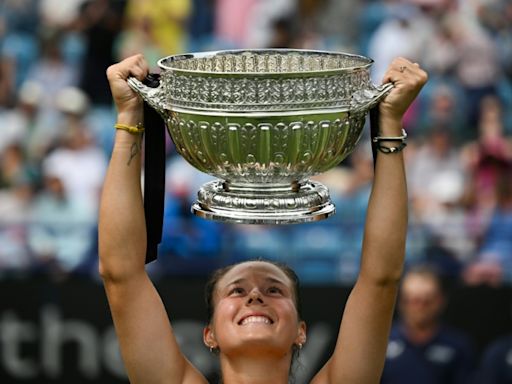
column 275, row 290
column 236, row 291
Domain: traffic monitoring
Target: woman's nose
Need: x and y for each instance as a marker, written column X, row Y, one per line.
column 255, row 296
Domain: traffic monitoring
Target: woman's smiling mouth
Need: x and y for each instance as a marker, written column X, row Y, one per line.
column 255, row 319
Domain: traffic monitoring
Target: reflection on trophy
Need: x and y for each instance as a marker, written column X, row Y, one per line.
column 263, row 122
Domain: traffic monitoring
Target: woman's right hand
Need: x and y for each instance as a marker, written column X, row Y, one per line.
column 128, row 102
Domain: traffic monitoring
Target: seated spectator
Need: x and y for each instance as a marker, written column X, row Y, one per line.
column 494, row 261
column 164, row 21
column 16, row 191
column 444, row 107
column 478, row 68
column 50, row 70
column 436, row 182
column 61, row 230
column 200, row 25
column 435, row 173
column 421, row 349
column 185, row 237
column 403, row 33
column 486, row 160
column 18, row 122
column 496, row 365
column 19, row 23
column 262, row 19
column 77, row 160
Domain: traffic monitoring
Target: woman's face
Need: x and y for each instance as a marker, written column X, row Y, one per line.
column 255, row 312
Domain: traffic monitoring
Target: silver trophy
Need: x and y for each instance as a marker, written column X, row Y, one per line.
column 263, row 122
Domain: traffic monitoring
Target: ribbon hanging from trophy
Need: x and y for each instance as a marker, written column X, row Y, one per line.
column 374, row 130
column 154, row 174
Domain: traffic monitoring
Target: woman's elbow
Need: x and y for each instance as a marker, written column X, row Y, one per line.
column 117, row 269
column 389, row 277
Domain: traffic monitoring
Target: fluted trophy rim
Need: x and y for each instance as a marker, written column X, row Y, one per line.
column 171, row 62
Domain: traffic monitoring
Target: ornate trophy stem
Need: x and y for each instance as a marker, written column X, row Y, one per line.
column 299, row 203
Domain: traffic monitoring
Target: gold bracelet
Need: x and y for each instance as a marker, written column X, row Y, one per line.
column 139, row 128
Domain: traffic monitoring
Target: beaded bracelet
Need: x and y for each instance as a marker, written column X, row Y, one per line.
column 384, row 149
column 139, row 128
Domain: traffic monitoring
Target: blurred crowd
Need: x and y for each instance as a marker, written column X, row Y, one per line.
column 56, row 119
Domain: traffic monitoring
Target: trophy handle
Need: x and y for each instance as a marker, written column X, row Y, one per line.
column 150, row 91
column 366, row 99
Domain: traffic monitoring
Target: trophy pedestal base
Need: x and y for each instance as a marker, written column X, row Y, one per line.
column 249, row 204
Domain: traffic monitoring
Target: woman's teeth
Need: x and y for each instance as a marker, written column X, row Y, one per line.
column 255, row 319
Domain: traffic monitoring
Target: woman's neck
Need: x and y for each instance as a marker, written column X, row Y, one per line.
column 255, row 370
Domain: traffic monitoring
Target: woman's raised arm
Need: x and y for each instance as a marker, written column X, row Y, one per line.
column 360, row 350
column 148, row 346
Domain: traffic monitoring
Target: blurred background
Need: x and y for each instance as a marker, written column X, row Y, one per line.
column 56, row 135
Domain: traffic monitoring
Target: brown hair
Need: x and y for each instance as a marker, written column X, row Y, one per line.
column 429, row 271
column 211, row 284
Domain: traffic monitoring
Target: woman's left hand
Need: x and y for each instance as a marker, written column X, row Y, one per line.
column 408, row 79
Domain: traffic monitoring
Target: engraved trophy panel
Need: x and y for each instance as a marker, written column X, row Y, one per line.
column 263, row 122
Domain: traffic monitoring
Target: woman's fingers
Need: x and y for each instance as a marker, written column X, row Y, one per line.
column 133, row 66
column 401, row 69
column 408, row 79
column 117, row 74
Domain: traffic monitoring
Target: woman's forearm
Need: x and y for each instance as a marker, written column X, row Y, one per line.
column 386, row 221
column 122, row 229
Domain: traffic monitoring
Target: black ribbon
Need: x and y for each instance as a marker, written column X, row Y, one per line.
column 374, row 130
column 154, row 173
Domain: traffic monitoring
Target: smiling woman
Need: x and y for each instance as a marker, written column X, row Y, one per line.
column 254, row 302
column 254, row 307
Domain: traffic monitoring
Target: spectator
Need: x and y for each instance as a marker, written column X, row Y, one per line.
column 100, row 22
column 164, row 22
column 437, row 180
column 231, row 21
column 494, row 262
column 137, row 37
column 18, row 122
column 61, row 230
column 185, row 238
column 200, row 25
column 402, row 34
column 50, row 73
column 342, row 36
column 263, row 18
column 441, row 54
column 436, row 165
column 16, row 192
column 477, row 69
column 486, row 160
column 77, row 161
column 445, row 108
column 421, row 349
column 59, row 14
column 495, row 366
column 19, row 24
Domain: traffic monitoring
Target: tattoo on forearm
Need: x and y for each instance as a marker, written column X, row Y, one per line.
column 134, row 151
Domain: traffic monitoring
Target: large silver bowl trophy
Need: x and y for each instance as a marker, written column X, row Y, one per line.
column 263, row 122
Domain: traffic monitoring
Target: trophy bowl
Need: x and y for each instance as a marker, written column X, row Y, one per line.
column 262, row 122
